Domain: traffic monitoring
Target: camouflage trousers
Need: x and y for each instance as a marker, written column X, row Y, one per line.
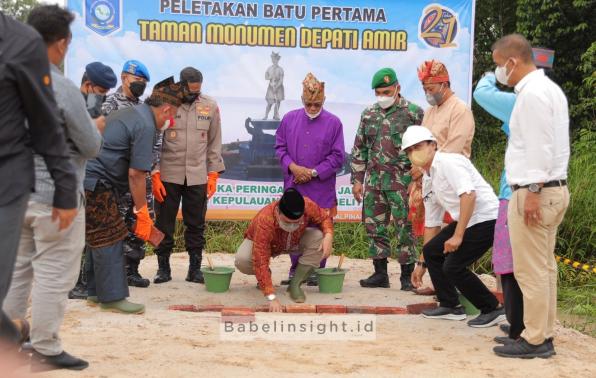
column 378, row 209
column 134, row 248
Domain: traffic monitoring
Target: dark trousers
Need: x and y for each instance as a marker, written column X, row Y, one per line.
column 106, row 277
column 194, row 208
column 514, row 305
column 449, row 272
column 11, row 222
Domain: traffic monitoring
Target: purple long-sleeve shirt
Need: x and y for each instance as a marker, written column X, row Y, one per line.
column 315, row 144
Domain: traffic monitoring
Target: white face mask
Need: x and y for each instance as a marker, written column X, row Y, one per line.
column 386, row 102
column 169, row 123
column 502, row 75
column 286, row 226
column 313, row 116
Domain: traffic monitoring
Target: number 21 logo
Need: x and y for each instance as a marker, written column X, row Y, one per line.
column 438, row 26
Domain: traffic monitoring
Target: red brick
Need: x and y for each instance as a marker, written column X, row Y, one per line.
column 499, row 296
column 361, row 309
column 237, row 311
column 391, row 311
column 418, row 307
column 261, row 308
column 190, row 308
column 331, row 309
column 301, row 309
column 210, row 308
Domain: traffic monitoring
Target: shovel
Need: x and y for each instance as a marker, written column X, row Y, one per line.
column 209, row 262
column 341, row 261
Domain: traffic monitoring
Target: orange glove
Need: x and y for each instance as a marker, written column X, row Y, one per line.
column 212, row 184
column 159, row 191
column 144, row 223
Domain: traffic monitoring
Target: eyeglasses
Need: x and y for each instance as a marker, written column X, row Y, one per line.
column 313, row 104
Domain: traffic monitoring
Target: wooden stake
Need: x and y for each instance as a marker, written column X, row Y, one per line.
column 209, row 262
column 341, row 261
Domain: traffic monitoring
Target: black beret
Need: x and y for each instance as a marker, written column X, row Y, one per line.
column 100, row 74
column 292, row 204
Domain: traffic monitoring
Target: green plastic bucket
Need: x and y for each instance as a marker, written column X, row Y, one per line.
column 331, row 280
column 218, row 279
column 468, row 306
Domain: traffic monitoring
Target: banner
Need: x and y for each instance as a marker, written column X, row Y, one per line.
column 251, row 52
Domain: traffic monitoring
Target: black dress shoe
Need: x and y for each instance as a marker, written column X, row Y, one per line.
column 40, row 362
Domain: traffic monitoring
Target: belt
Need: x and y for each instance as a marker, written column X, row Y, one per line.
column 550, row 184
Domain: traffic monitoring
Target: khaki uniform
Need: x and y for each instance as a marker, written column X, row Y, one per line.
column 192, row 148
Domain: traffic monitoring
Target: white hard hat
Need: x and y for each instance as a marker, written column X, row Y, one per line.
column 414, row 135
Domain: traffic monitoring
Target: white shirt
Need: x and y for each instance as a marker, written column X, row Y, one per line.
column 538, row 148
column 450, row 176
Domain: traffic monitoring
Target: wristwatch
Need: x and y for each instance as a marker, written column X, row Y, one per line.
column 271, row 297
column 421, row 263
column 534, row 188
column 314, row 173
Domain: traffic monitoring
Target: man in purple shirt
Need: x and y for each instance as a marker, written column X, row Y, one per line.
column 310, row 146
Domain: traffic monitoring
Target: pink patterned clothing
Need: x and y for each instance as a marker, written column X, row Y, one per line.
column 502, row 257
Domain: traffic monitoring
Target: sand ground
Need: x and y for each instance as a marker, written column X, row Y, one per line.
column 166, row 343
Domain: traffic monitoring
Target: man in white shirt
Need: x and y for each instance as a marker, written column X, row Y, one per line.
column 536, row 164
column 454, row 185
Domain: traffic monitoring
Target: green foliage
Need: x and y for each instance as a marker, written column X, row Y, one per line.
column 494, row 19
column 577, row 233
column 564, row 26
column 584, row 111
column 18, row 9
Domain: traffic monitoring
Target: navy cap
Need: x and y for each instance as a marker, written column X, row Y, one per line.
column 100, row 74
column 136, row 68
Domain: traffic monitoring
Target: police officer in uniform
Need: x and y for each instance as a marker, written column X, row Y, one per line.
column 189, row 167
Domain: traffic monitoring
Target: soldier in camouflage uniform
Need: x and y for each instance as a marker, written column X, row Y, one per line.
column 376, row 155
column 134, row 80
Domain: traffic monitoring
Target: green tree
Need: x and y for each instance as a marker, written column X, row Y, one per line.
column 585, row 109
column 494, row 19
column 18, row 9
column 566, row 26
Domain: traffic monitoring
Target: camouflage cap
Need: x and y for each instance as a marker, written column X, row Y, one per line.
column 169, row 91
column 384, row 77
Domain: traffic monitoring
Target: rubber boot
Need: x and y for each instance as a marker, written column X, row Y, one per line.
column 133, row 276
column 194, row 268
column 123, row 306
column 164, row 274
column 302, row 273
column 379, row 278
column 406, row 277
column 294, row 257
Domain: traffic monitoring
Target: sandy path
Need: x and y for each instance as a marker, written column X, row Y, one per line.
column 164, row 343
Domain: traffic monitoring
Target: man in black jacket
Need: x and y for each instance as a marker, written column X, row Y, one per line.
column 26, row 94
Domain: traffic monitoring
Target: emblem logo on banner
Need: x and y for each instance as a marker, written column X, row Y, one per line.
column 103, row 16
column 438, row 26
